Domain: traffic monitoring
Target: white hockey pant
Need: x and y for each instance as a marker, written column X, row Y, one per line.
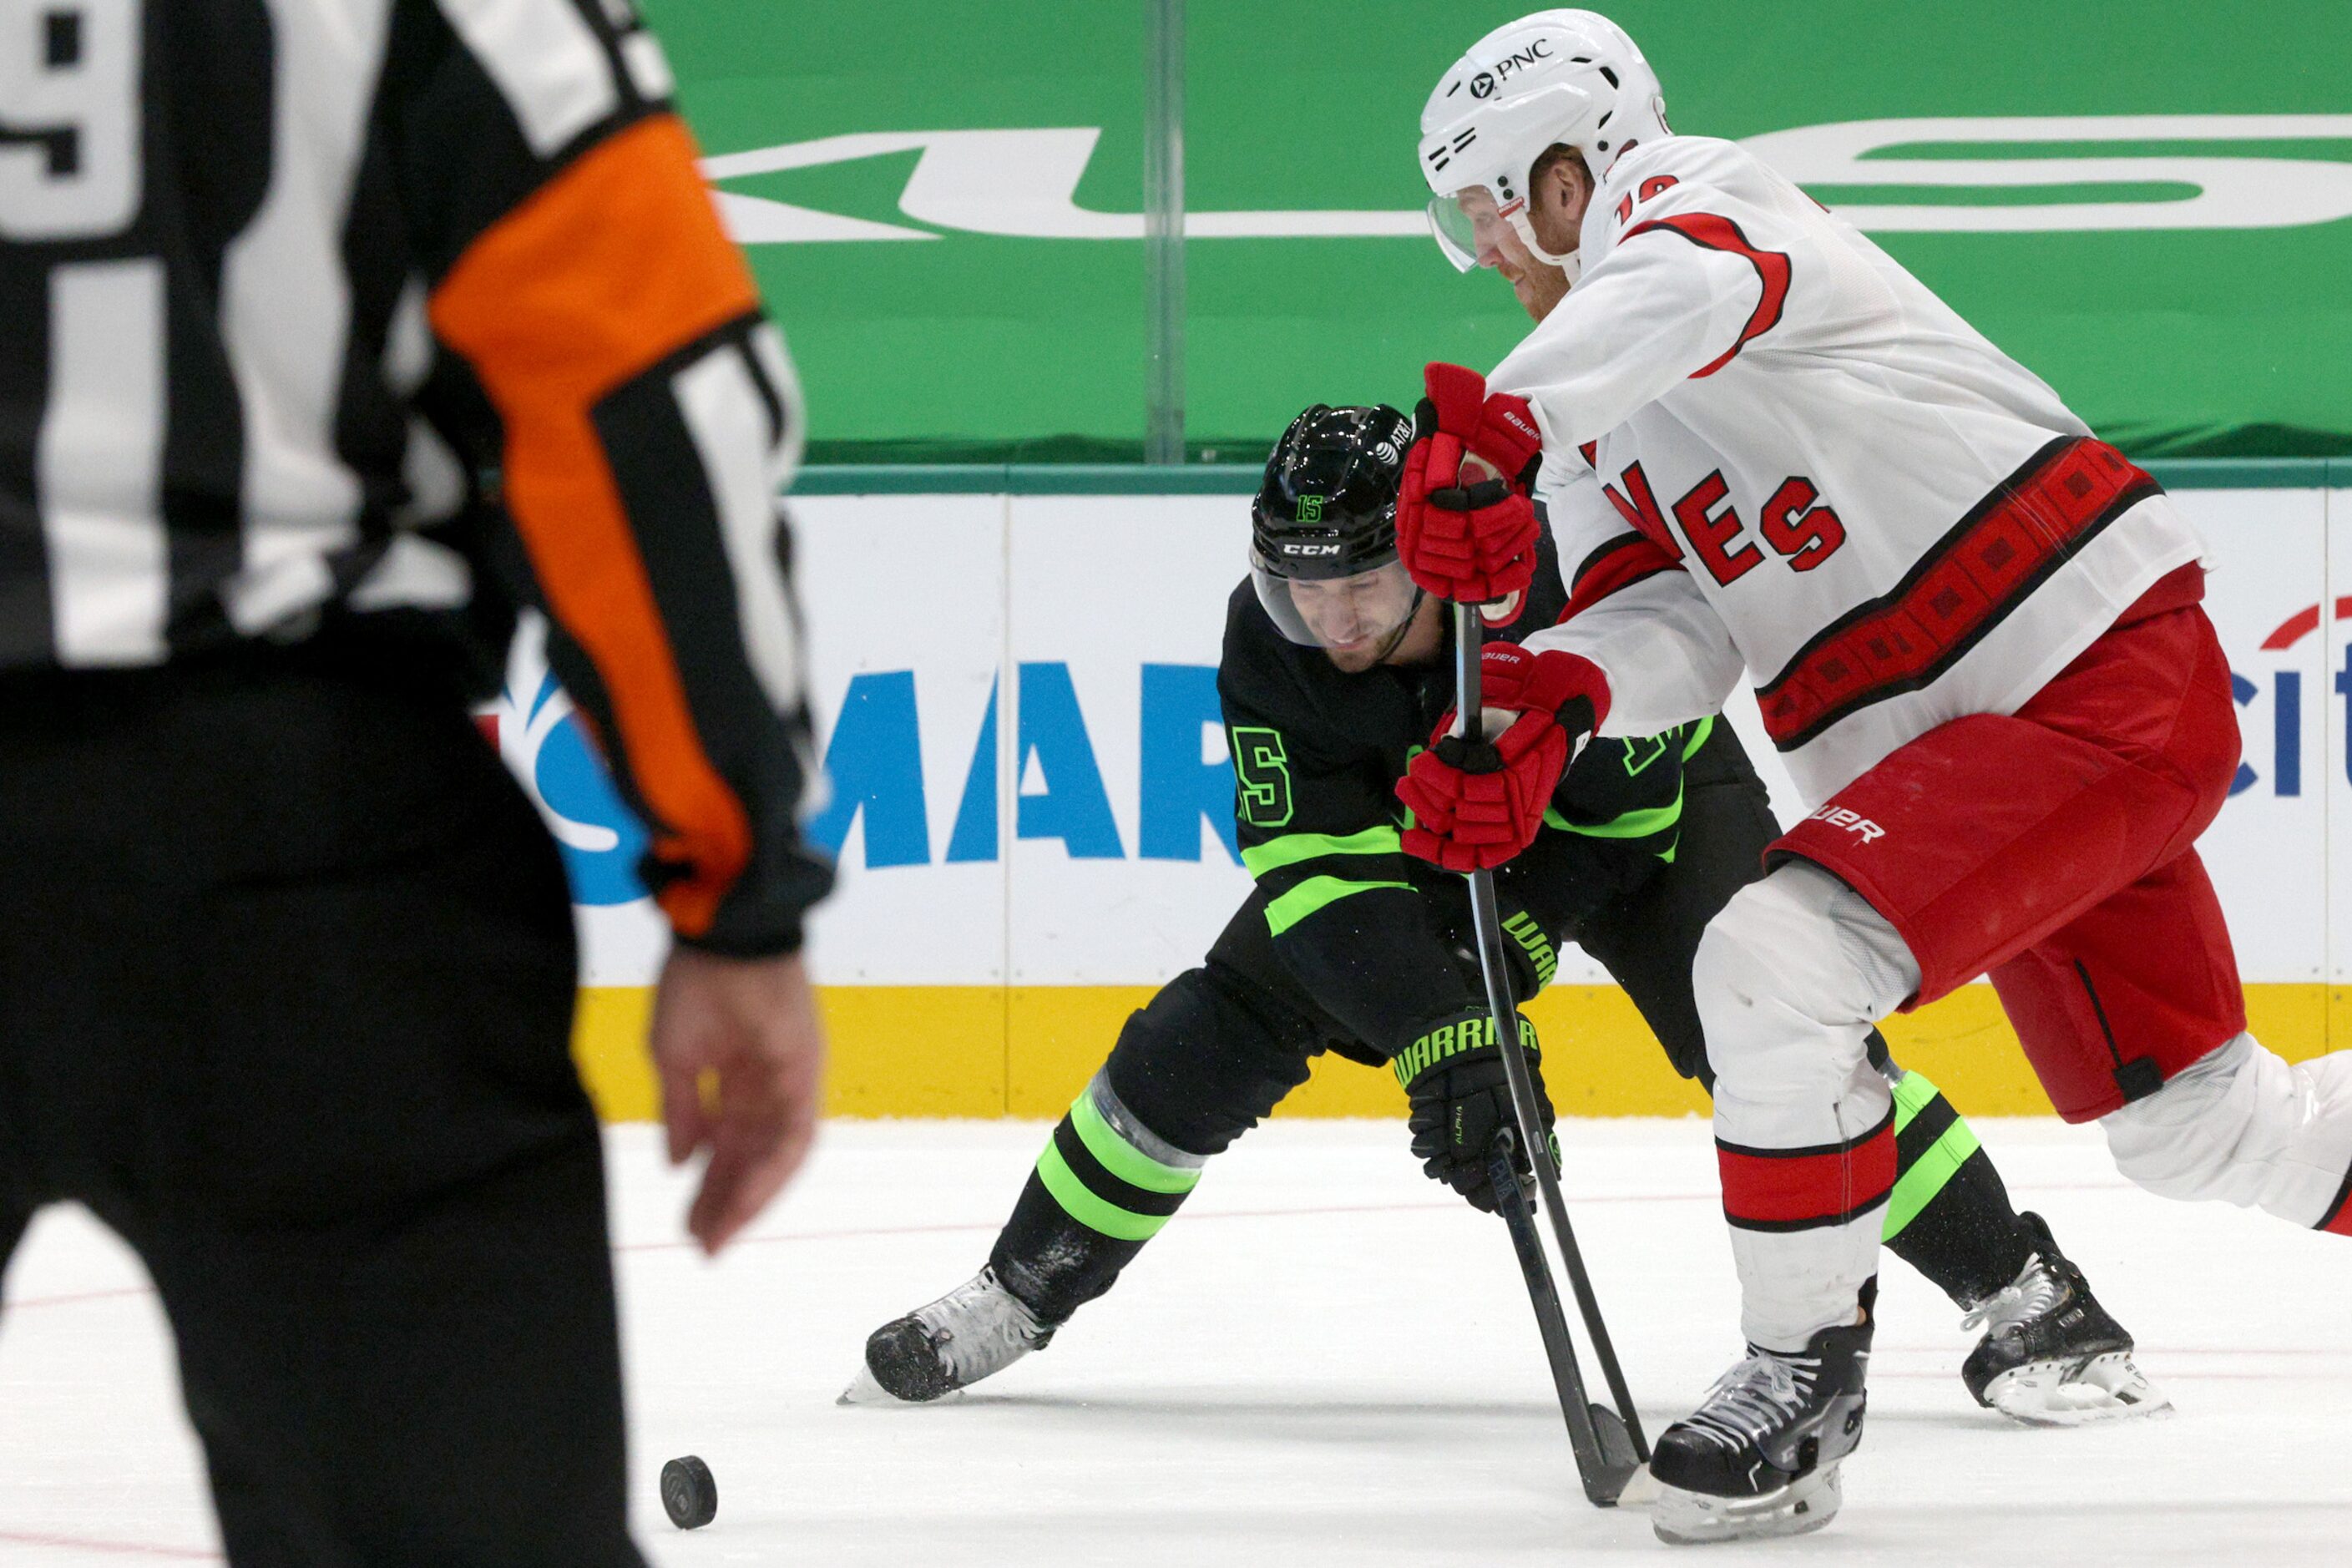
column 2245, row 1127
column 1790, row 976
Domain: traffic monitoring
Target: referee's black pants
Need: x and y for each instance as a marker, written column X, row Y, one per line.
column 286, row 986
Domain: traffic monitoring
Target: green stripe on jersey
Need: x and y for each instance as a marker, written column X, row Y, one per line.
column 1640, row 824
column 1292, row 848
column 1311, row 895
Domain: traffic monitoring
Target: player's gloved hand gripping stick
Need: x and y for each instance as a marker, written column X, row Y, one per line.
column 1609, row 1446
column 1467, row 526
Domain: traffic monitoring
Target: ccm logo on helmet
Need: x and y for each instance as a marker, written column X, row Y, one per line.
column 1310, row 550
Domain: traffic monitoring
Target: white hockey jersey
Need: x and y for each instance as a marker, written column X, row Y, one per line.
column 1768, row 446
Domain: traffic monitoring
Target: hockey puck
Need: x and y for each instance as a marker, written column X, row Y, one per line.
column 688, row 1493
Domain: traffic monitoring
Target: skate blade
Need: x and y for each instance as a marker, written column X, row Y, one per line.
column 1640, row 1489
column 1700, row 1519
column 863, row 1390
column 2108, row 1388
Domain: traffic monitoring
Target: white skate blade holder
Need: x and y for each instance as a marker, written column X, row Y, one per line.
column 2056, row 1393
column 1682, row 1517
column 864, row 1390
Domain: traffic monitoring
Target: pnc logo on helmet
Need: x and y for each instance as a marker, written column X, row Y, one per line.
column 1481, row 85
column 1539, row 50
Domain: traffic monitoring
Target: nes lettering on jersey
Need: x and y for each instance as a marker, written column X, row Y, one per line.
column 1864, row 830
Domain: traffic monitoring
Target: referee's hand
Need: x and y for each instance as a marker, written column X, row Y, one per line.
column 750, row 1025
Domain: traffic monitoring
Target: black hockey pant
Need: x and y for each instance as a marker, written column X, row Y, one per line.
column 1220, row 1046
column 286, row 986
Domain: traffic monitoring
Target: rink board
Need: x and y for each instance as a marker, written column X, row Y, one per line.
column 1031, row 807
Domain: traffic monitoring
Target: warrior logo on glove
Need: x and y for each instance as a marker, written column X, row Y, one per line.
column 1461, row 1099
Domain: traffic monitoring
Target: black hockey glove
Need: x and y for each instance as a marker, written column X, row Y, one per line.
column 1461, row 1098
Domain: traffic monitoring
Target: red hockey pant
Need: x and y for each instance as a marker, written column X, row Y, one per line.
column 2051, row 849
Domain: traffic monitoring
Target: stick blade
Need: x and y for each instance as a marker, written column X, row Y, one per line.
column 1606, row 1484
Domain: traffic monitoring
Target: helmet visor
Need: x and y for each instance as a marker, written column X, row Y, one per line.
column 1349, row 618
column 1468, row 227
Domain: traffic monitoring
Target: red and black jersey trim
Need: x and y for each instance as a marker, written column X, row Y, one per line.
column 2337, row 1220
column 1619, row 563
column 1714, row 232
column 1806, row 1189
column 1968, row 583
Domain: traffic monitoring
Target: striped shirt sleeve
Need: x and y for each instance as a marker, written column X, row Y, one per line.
column 645, row 417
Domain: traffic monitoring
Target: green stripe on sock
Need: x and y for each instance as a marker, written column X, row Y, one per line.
column 1917, row 1187
column 1912, row 1094
column 1292, row 848
column 1123, row 1159
column 1079, row 1202
column 1311, row 895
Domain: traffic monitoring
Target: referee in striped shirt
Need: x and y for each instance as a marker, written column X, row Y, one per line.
column 334, row 334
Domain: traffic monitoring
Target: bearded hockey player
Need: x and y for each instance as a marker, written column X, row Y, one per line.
column 1335, row 667
column 1974, row 631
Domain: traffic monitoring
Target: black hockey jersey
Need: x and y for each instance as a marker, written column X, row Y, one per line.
column 377, row 314
column 1372, row 934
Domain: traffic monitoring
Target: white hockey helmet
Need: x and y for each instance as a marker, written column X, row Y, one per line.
column 1554, row 78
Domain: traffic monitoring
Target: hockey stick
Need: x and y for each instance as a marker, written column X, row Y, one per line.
column 1608, row 1445
column 1605, row 1459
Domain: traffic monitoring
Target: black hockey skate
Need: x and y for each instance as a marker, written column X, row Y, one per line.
column 977, row 1329
column 2051, row 1355
column 1759, row 1457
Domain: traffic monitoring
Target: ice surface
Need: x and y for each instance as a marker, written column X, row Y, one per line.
column 1324, row 1359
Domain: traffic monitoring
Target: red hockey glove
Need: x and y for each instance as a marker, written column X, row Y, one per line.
column 1469, row 536
column 1475, row 803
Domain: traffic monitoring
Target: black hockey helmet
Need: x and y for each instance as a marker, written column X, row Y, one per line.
column 1325, row 520
column 1326, row 505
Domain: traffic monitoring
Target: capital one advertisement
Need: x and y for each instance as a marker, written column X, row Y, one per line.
column 1029, row 784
